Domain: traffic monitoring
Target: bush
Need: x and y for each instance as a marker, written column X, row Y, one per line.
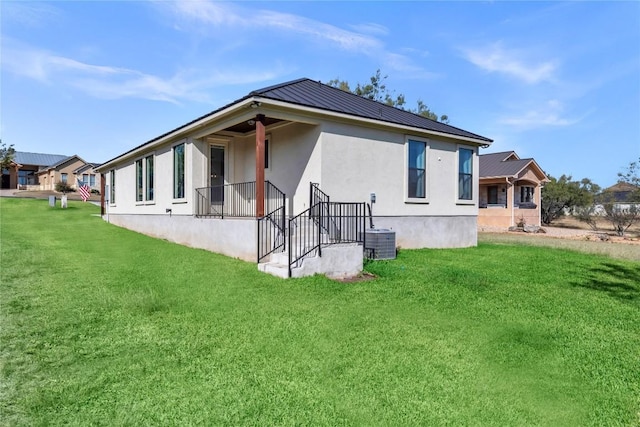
column 63, row 187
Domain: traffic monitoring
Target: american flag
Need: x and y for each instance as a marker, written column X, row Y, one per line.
column 83, row 188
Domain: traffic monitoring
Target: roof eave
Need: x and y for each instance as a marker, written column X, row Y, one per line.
column 178, row 132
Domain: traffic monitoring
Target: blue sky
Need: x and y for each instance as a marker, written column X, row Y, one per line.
column 559, row 82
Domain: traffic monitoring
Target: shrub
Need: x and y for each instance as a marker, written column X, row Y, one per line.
column 63, row 187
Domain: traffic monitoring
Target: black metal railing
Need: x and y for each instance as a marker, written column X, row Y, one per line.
column 235, row 200
column 319, row 201
column 272, row 227
column 307, row 233
column 228, row 200
column 347, row 222
column 316, row 195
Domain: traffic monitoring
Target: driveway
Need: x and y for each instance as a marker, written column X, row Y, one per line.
column 95, row 198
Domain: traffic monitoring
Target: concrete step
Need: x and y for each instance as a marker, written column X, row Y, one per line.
column 275, row 269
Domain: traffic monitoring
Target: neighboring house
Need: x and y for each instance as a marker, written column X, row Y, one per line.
column 23, row 172
column 37, row 171
column 203, row 184
column 62, row 171
column 621, row 193
column 509, row 190
column 89, row 176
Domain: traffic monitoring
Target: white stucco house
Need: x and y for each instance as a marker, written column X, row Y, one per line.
column 233, row 181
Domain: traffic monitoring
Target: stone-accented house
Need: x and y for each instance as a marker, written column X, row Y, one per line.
column 300, row 160
column 509, row 190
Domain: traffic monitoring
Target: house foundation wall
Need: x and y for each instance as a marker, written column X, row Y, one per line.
column 232, row 237
column 495, row 217
column 413, row 232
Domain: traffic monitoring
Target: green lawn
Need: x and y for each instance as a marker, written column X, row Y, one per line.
column 103, row 326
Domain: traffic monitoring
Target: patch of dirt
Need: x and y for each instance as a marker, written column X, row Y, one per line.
column 362, row 277
column 575, row 230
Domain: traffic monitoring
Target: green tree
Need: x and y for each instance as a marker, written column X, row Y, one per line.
column 377, row 90
column 7, row 154
column 561, row 194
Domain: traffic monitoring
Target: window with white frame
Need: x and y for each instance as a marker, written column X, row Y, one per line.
column 178, row 171
column 64, row 177
column 92, row 180
column 417, row 169
column 465, row 174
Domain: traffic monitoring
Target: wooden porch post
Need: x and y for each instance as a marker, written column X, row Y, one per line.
column 260, row 165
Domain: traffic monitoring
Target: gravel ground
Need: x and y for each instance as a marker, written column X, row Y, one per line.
column 548, row 231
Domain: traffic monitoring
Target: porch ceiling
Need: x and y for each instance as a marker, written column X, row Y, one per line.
column 245, row 127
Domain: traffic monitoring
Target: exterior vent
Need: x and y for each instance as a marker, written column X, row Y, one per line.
column 380, row 244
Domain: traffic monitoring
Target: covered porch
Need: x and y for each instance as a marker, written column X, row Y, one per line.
column 508, row 203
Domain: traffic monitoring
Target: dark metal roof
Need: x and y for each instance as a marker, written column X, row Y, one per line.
column 497, row 165
column 37, row 159
column 310, row 93
column 315, row 94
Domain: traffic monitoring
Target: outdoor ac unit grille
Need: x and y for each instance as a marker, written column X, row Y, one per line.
column 380, row 244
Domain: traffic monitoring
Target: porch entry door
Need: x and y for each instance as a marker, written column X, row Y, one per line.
column 217, row 174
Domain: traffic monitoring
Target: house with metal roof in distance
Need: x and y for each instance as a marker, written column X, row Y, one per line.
column 23, row 171
column 510, row 190
column 289, row 173
column 39, row 171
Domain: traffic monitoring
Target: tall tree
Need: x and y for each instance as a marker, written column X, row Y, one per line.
column 563, row 193
column 377, row 90
column 7, row 154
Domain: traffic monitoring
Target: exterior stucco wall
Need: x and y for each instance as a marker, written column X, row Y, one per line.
column 431, row 231
column 232, row 237
column 359, row 161
column 125, row 185
column 294, row 161
column 348, row 161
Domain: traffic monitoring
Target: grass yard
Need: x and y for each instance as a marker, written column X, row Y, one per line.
column 103, row 326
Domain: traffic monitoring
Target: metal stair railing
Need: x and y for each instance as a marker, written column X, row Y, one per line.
column 272, row 226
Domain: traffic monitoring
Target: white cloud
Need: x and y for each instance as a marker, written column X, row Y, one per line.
column 109, row 82
column 551, row 114
column 371, row 28
column 29, row 14
column 495, row 58
column 359, row 41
